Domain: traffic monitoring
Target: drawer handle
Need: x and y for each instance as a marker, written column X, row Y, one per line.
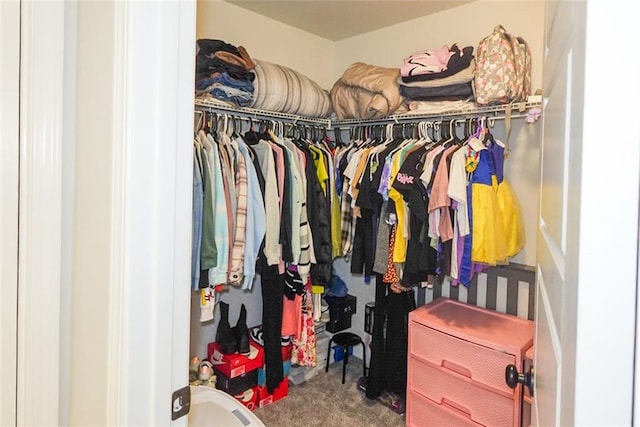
column 446, row 364
column 456, row 407
column 513, row 377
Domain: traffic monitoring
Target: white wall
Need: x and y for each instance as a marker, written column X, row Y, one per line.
column 9, row 154
column 465, row 25
column 267, row 39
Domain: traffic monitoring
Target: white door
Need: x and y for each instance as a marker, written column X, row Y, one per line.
column 9, row 141
column 588, row 225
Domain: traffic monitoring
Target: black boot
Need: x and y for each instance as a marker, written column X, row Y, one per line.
column 225, row 336
column 242, row 332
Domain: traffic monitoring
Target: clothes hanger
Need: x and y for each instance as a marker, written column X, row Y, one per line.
column 468, row 125
column 199, row 121
column 444, row 132
column 338, row 137
column 208, row 119
column 237, row 126
column 229, row 125
column 476, row 141
column 251, row 137
column 455, row 139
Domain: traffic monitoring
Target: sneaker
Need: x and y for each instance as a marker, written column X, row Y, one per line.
column 393, row 401
column 256, row 335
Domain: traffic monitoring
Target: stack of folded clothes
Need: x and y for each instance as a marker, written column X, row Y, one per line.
column 439, row 75
column 224, row 72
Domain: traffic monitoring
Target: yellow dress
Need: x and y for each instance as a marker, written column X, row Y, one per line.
column 489, row 235
column 498, row 224
column 511, row 214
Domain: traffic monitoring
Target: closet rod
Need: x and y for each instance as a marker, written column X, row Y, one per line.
column 518, row 110
column 436, row 119
column 253, row 113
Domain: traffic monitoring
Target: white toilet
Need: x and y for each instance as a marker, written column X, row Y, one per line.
column 211, row 407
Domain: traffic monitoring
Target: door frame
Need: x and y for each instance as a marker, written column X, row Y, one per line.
column 146, row 125
column 146, row 321
column 40, row 190
column 9, row 154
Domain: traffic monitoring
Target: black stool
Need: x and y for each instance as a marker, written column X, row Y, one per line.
column 346, row 340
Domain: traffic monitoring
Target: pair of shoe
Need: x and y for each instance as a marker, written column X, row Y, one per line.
column 258, row 337
column 236, row 339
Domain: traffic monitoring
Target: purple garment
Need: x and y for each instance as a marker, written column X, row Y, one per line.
column 465, row 272
column 497, row 156
column 383, row 188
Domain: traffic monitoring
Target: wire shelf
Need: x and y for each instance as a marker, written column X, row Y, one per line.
column 518, row 110
column 254, row 113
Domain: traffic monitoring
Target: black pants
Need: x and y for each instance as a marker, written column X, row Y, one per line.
column 388, row 365
column 272, row 292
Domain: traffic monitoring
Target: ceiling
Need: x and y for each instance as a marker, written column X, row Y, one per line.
column 336, row 19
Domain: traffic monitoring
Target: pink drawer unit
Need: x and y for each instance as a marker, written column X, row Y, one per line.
column 462, row 395
column 477, row 362
column 423, row 412
column 458, row 354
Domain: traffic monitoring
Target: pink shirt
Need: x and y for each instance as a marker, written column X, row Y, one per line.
column 439, row 201
column 426, row 62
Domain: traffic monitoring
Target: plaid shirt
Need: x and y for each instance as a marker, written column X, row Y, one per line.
column 256, row 218
column 236, row 269
column 347, row 219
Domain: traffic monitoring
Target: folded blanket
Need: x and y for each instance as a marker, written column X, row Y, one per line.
column 217, row 56
column 438, row 107
column 366, row 92
column 464, row 76
column 279, row 88
column 460, row 91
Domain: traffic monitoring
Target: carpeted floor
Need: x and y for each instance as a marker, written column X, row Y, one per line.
column 325, row 401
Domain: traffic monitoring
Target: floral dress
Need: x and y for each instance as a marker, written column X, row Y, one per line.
column 304, row 348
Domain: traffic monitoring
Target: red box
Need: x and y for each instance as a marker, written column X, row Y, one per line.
column 249, row 398
column 280, row 392
column 234, row 365
column 286, row 350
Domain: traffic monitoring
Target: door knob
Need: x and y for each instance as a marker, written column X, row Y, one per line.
column 513, row 377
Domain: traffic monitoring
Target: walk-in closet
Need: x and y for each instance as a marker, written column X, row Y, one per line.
column 382, row 361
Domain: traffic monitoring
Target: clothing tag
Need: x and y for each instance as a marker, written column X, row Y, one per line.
column 476, row 144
